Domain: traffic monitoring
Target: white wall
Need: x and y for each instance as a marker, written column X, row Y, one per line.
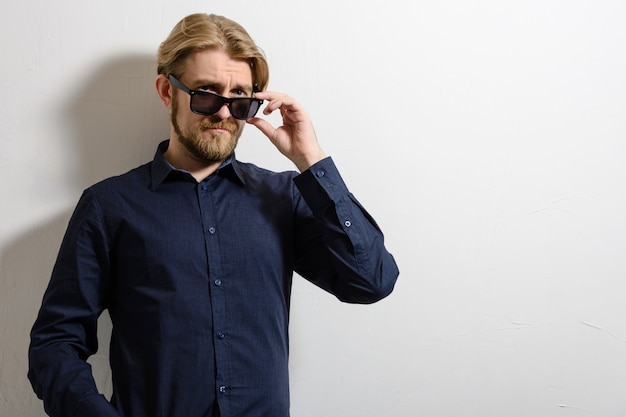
column 487, row 137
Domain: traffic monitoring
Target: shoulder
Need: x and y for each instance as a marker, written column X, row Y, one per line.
column 250, row 173
column 135, row 175
column 130, row 183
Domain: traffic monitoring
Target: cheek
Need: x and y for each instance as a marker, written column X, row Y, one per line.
column 182, row 116
column 240, row 125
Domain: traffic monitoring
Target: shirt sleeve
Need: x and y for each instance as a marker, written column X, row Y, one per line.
column 341, row 248
column 65, row 332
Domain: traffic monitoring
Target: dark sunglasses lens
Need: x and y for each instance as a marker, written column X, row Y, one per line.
column 206, row 103
column 244, row 108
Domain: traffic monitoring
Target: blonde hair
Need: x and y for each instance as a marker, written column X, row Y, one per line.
column 202, row 31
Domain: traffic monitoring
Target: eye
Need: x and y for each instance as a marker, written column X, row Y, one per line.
column 207, row 88
column 240, row 93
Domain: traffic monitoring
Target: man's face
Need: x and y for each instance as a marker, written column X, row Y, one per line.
column 210, row 138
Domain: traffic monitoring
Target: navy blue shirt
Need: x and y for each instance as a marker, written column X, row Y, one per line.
column 196, row 277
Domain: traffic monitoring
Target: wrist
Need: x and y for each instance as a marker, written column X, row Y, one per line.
column 310, row 160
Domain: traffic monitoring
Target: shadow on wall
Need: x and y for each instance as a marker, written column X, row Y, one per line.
column 117, row 119
column 113, row 122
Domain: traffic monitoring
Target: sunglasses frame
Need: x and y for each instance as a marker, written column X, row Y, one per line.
column 224, row 100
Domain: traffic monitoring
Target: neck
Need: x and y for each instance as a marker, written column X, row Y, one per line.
column 181, row 159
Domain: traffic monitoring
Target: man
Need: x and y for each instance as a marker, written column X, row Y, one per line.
column 193, row 253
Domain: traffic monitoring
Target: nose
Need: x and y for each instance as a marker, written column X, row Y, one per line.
column 223, row 112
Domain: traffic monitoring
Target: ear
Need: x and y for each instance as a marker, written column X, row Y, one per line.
column 165, row 90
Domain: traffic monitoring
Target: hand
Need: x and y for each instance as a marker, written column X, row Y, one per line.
column 296, row 138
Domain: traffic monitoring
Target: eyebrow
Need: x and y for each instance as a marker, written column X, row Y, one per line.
column 216, row 86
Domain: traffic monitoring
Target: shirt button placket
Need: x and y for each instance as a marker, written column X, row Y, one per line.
column 218, row 295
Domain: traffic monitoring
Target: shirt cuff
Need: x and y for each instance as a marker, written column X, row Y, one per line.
column 321, row 185
column 95, row 405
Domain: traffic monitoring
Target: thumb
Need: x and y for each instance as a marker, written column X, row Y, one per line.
column 264, row 126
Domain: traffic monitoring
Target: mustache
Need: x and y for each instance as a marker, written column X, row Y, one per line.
column 222, row 124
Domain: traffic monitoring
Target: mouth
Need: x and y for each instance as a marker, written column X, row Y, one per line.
column 214, row 130
column 217, row 128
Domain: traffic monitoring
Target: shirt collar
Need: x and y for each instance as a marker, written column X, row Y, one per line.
column 161, row 168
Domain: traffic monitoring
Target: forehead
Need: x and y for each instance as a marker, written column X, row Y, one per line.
column 216, row 65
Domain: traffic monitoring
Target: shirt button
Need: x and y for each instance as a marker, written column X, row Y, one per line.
column 203, row 187
column 218, row 282
column 222, row 389
column 212, row 230
column 221, row 335
column 320, row 174
column 347, row 223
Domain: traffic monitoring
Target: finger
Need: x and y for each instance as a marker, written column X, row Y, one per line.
column 263, row 125
column 268, row 95
column 273, row 105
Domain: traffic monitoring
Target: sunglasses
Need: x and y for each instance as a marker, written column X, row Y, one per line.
column 206, row 103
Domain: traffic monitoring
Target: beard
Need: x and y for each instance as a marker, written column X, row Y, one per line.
column 205, row 145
